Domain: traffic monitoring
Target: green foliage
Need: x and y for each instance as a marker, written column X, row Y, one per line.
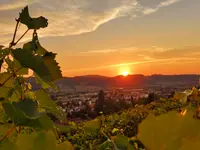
column 93, row 126
column 121, row 141
column 24, row 120
column 29, row 60
column 118, row 128
column 45, row 102
column 179, row 127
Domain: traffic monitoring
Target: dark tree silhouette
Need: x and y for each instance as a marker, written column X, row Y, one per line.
column 172, row 94
column 100, row 101
column 152, row 97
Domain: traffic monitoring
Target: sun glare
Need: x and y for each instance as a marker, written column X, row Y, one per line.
column 125, row 73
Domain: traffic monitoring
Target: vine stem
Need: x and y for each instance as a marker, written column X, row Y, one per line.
column 8, row 78
column 16, row 27
column 7, row 134
column 21, row 37
column 13, row 43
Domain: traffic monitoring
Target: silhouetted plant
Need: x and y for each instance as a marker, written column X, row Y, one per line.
column 100, row 101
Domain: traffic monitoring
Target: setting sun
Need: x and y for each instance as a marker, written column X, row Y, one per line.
column 125, row 73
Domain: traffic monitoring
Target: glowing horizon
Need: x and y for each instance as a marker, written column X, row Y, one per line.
column 105, row 37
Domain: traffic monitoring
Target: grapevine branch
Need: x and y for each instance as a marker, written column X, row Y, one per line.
column 7, row 134
column 8, row 78
column 21, row 37
column 13, row 43
column 13, row 40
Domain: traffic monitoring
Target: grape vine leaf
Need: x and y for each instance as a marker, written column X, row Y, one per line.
column 28, row 46
column 48, row 104
column 46, row 141
column 18, row 114
column 39, row 49
column 30, row 94
column 4, row 128
column 131, row 147
column 35, row 46
column 36, row 141
column 63, row 128
column 6, row 79
column 28, row 60
column 14, row 95
column 65, row 146
column 32, row 23
column 5, row 92
column 52, row 65
column 26, row 141
column 121, row 141
column 2, row 115
column 169, row 131
column 8, row 145
column 105, row 145
column 93, row 125
column 28, row 106
column 45, row 84
column 19, row 70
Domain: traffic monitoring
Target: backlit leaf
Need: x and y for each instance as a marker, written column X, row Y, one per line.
column 20, row 115
column 7, row 79
column 121, row 142
column 52, row 65
column 32, row 23
column 36, row 141
column 65, row 146
column 48, row 104
column 45, row 84
column 5, row 92
column 93, row 125
column 169, row 131
column 28, row 60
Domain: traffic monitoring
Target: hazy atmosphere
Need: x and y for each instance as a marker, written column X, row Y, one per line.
column 99, row 75
column 109, row 37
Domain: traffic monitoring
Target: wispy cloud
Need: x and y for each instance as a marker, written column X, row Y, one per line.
column 106, row 51
column 99, row 51
column 153, row 49
column 166, row 3
column 14, row 4
column 72, row 17
column 146, row 57
column 160, row 61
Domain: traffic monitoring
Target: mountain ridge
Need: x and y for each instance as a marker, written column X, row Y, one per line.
column 134, row 81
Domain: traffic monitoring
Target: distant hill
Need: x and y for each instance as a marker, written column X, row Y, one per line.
column 134, row 81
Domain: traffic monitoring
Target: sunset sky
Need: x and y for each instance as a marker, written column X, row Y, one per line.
column 108, row 37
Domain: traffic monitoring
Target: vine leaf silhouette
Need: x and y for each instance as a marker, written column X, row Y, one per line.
column 32, row 23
